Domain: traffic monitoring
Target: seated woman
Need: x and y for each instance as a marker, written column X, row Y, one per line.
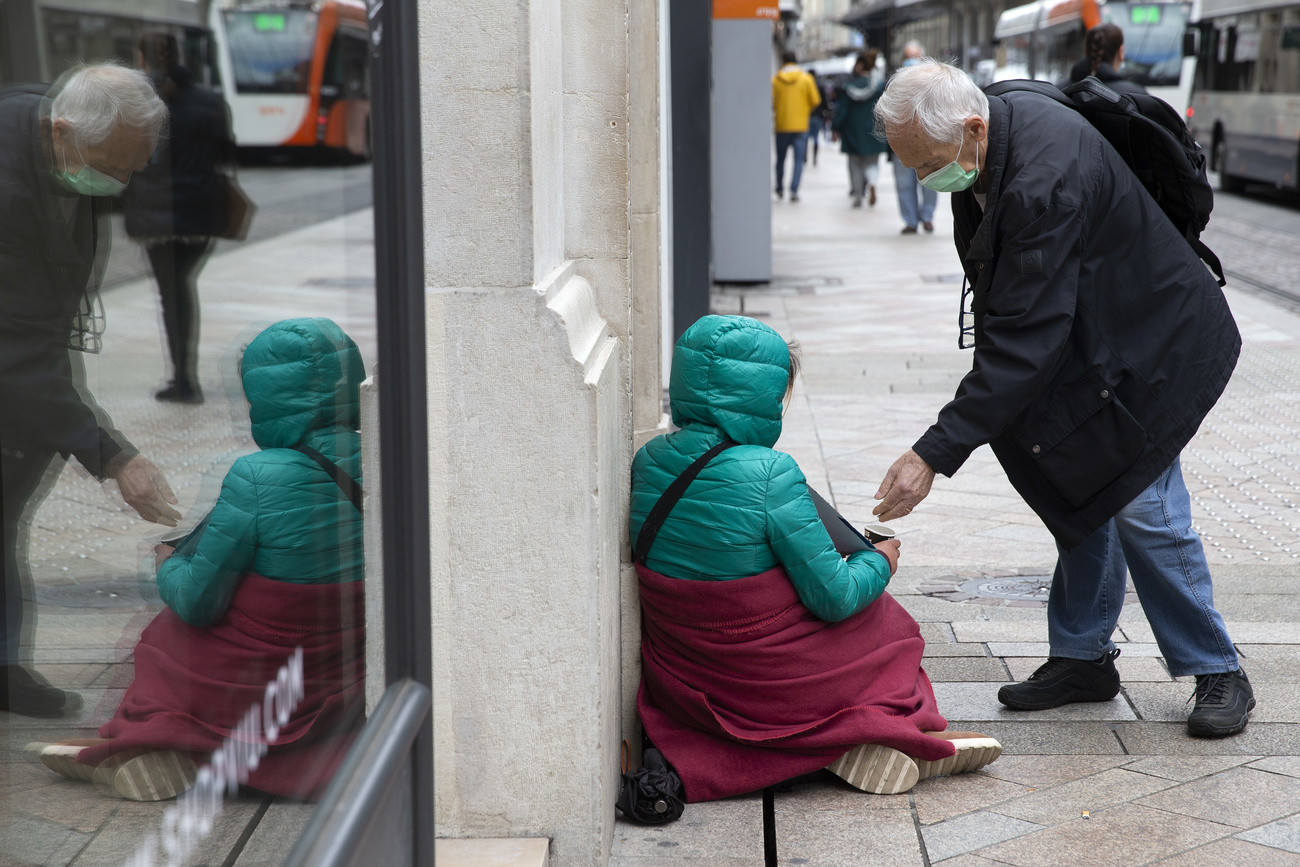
column 271, row 578
column 765, row 654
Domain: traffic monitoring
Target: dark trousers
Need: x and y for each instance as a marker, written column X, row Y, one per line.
column 784, row 142
column 23, row 484
column 176, row 267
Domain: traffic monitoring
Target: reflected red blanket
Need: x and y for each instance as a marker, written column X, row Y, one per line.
column 742, row 687
column 193, row 684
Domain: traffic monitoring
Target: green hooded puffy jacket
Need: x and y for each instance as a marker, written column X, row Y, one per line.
column 279, row 513
column 749, row 510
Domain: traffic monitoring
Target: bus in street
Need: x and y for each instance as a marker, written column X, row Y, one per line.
column 1246, row 103
column 295, row 74
column 1044, row 39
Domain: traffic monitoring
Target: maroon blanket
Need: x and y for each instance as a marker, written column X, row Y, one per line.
column 193, row 685
column 743, row 687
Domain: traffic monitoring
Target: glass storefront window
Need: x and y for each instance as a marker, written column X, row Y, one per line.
column 187, row 340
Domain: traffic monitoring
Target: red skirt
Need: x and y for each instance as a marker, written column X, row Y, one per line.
column 742, row 687
column 193, row 685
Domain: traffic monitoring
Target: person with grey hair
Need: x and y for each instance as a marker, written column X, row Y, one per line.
column 63, row 151
column 912, row 211
column 1101, row 342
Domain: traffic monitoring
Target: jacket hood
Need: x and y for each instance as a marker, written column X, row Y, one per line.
column 790, row 73
column 730, row 372
column 863, row 87
column 301, row 376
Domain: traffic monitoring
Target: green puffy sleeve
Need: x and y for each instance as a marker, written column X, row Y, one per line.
column 199, row 581
column 828, row 585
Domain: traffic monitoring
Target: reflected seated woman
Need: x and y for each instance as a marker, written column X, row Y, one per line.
column 765, row 654
column 275, row 567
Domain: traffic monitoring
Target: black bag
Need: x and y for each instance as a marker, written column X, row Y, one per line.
column 652, row 795
column 1155, row 143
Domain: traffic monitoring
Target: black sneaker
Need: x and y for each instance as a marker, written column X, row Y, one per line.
column 1064, row 681
column 180, row 393
column 26, row 693
column 1223, row 705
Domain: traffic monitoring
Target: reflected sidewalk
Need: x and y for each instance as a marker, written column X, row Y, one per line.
column 92, row 567
column 1117, row 783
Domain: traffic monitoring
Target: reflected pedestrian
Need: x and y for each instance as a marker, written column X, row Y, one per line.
column 794, row 96
column 855, row 126
column 176, row 205
column 914, row 213
column 63, row 151
column 1101, row 342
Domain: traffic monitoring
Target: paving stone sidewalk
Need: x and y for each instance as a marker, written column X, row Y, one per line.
column 1114, row 784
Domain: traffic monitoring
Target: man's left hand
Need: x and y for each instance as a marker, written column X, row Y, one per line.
column 906, row 484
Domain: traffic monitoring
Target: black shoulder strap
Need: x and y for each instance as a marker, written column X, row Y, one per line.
column 350, row 487
column 657, row 516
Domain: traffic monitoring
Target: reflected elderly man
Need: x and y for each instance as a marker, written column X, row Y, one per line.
column 62, row 152
column 1101, row 342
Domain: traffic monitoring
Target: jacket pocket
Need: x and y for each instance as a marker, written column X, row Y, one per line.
column 1084, row 438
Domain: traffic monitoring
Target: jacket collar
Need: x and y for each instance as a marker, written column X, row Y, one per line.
column 995, row 163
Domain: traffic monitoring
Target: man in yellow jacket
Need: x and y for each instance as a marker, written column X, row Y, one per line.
column 794, row 96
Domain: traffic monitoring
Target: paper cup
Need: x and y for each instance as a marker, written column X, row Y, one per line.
column 878, row 533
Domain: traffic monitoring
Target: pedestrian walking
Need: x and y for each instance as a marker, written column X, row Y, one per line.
column 826, row 671
column 855, row 126
column 1103, row 48
column 63, row 151
column 916, row 202
column 1101, row 341
column 794, row 96
column 176, row 206
column 818, row 121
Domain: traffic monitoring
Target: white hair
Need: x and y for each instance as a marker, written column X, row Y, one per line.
column 913, row 44
column 95, row 100
column 934, row 95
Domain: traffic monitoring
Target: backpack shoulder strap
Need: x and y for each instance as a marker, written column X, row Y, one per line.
column 350, row 487
column 658, row 514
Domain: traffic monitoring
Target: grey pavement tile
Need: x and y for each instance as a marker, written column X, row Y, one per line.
column 1166, row 739
column 829, row 792
column 1263, row 607
column 960, row 669
column 1269, row 671
column 1288, row 765
column 933, row 632
column 823, row 837
column 1230, row 850
column 1041, row 772
column 1040, row 738
column 1258, row 651
column 717, row 829
column 1063, row 803
column 954, row 650
column 942, row 798
column 978, row 701
column 70, row 804
column 26, row 841
column 964, row 834
column 73, row 675
column 1282, row 834
column 1123, row 836
column 1241, row 797
column 966, row 861
column 281, row 826
column 1185, row 768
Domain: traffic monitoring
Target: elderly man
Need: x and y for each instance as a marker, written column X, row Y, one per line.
column 1101, row 342
column 61, row 154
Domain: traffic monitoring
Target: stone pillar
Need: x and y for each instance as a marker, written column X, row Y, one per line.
column 542, row 250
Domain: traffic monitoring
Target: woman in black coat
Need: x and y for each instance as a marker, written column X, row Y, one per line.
column 1103, row 47
column 177, row 205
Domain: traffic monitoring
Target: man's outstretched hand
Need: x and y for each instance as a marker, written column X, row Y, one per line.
column 145, row 489
column 906, row 484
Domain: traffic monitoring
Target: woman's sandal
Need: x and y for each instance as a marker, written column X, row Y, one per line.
column 877, row 769
column 974, row 751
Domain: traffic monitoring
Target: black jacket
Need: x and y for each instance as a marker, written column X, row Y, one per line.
column 1101, row 339
column 182, row 192
column 1105, row 74
column 53, row 245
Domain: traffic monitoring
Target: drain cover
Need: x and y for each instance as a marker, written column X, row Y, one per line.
column 1010, row 587
column 1030, row 587
column 92, row 594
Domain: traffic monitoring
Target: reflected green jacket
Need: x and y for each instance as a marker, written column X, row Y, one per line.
column 749, row 510
column 279, row 513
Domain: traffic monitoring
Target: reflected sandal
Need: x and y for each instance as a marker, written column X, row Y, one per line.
column 152, row 776
column 877, row 769
column 972, row 754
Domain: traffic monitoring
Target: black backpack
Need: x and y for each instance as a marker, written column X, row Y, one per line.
column 1155, row 143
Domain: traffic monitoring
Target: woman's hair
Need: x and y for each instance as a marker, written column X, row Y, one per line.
column 935, row 95
column 867, row 60
column 1102, row 43
column 93, row 100
column 796, row 362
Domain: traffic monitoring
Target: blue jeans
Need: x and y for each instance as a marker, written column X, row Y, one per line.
column 1153, row 537
column 905, row 180
column 784, row 141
